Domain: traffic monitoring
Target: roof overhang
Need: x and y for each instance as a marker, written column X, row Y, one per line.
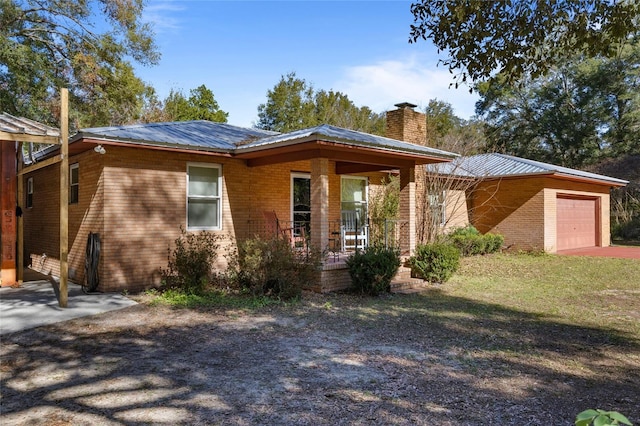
column 350, row 158
column 562, row 176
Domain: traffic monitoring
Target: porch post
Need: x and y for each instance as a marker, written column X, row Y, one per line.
column 319, row 203
column 64, row 197
column 407, row 210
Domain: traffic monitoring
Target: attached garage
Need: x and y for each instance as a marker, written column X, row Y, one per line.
column 577, row 222
column 535, row 205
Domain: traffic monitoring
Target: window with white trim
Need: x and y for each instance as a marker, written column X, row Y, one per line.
column 354, row 195
column 204, row 197
column 74, row 184
column 29, row 198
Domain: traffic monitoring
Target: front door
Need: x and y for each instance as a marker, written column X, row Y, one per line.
column 301, row 200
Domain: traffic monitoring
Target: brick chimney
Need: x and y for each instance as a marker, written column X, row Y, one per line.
column 407, row 125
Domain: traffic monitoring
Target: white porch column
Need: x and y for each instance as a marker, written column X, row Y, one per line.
column 407, row 211
column 319, row 204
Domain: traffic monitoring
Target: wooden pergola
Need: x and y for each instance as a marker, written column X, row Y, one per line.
column 31, row 134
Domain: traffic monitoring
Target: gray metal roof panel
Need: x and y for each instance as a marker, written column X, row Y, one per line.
column 495, row 165
column 11, row 124
column 340, row 135
column 199, row 134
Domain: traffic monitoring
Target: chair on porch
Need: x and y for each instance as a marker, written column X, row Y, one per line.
column 296, row 236
column 354, row 231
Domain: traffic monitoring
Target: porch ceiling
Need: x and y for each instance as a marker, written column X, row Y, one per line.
column 349, row 158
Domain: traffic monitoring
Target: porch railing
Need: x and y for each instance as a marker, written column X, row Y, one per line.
column 390, row 233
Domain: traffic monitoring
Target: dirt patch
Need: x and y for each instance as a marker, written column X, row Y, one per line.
column 404, row 359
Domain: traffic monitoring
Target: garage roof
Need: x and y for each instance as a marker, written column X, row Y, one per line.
column 494, row 165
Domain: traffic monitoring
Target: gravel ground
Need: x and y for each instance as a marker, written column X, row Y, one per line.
column 328, row 360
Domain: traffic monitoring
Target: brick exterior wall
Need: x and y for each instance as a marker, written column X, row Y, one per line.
column 524, row 209
column 136, row 200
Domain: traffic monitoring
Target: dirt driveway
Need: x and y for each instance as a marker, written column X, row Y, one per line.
column 328, row 360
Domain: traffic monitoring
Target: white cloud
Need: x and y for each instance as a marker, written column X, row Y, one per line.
column 382, row 84
column 161, row 15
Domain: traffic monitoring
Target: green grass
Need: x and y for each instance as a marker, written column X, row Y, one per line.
column 589, row 291
column 210, row 299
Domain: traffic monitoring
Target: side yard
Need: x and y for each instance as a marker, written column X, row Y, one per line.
column 510, row 339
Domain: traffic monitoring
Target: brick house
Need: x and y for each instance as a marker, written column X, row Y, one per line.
column 137, row 185
column 535, row 205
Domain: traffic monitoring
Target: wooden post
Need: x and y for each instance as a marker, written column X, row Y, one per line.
column 64, row 196
column 20, row 253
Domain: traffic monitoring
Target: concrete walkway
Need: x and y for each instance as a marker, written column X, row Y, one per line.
column 35, row 304
column 622, row 252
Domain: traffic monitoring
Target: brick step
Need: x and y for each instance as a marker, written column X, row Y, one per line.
column 405, row 285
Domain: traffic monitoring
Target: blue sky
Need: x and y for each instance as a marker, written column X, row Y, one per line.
column 240, row 49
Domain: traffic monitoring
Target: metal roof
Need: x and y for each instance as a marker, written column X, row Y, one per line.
column 346, row 136
column 496, row 165
column 21, row 125
column 198, row 134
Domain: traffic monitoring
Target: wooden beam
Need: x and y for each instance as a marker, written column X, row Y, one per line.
column 25, row 137
column 39, row 165
column 20, row 251
column 64, row 197
column 343, row 168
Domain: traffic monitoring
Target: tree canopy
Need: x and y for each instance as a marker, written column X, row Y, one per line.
column 521, row 37
column 294, row 104
column 83, row 45
column 200, row 105
column 447, row 131
column 581, row 111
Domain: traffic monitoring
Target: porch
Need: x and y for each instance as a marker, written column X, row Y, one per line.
column 334, row 274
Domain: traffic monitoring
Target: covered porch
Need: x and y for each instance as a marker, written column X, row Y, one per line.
column 325, row 167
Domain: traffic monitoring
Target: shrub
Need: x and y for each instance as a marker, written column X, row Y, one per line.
column 601, row 418
column 271, row 267
column 471, row 242
column 189, row 264
column 435, row 262
column 372, row 269
column 494, row 242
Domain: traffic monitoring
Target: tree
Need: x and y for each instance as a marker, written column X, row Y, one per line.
column 293, row 104
column 447, row 131
column 201, row 105
column 48, row 44
column 521, row 37
column 582, row 110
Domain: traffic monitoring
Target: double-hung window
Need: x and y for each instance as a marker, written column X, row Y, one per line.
column 74, row 184
column 204, row 197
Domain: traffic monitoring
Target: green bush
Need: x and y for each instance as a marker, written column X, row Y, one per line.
column 471, row 242
column 627, row 231
column 601, row 418
column 189, row 264
column 271, row 267
column 494, row 242
column 435, row 262
column 372, row 269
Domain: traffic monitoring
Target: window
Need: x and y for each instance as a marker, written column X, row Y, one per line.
column 353, row 195
column 437, row 207
column 204, row 198
column 29, row 200
column 74, row 184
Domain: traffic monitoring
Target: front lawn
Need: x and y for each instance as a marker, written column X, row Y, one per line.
column 510, row 339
